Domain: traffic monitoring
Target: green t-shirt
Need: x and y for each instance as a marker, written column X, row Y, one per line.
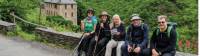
column 89, row 25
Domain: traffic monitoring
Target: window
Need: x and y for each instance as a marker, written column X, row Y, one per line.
column 47, row 12
column 72, row 6
column 50, row 5
column 65, row 6
column 55, row 6
column 72, row 14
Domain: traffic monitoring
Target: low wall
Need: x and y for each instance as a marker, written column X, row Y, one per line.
column 63, row 38
column 6, row 27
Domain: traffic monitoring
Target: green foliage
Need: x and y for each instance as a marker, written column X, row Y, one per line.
column 76, row 28
column 60, row 20
column 19, row 7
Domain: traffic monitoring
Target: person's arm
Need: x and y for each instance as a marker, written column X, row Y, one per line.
column 172, row 41
column 123, row 31
column 145, row 39
column 153, row 44
column 94, row 22
column 82, row 25
column 94, row 29
column 97, row 29
column 129, row 39
column 153, row 40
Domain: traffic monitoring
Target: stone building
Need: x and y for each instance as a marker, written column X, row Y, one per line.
column 65, row 8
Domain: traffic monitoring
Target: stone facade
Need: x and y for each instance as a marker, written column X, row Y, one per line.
column 65, row 8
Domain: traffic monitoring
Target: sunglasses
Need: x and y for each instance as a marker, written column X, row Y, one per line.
column 161, row 22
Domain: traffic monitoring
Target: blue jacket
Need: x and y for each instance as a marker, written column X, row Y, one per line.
column 138, row 35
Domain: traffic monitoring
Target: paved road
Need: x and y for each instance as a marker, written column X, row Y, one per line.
column 14, row 46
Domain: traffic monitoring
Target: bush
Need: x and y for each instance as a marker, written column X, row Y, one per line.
column 60, row 20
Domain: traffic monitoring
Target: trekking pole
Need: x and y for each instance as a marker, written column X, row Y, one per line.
column 75, row 49
column 96, row 43
column 101, row 50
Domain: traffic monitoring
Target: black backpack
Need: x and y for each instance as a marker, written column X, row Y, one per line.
column 131, row 28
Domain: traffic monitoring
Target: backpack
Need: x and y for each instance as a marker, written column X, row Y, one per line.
column 170, row 25
column 131, row 28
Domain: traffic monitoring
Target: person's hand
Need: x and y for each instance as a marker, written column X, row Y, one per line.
column 101, row 25
column 137, row 49
column 129, row 48
column 92, row 32
column 154, row 52
column 87, row 34
column 96, row 38
column 117, row 33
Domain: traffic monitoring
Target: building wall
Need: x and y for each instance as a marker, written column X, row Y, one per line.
column 68, row 11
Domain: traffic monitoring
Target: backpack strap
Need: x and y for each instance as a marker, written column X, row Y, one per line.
column 168, row 31
column 142, row 26
column 131, row 28
column 157, row 31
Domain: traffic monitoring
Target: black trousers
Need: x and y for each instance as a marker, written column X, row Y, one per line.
column 147, row 52
column 100, row 48
column 83, row 47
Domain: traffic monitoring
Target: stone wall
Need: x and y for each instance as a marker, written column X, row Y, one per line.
column 55, row 37
column 6, row 27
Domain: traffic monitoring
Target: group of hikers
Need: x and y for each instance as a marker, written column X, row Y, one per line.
column 108, row 37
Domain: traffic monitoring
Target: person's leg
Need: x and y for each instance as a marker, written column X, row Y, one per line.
column 87, row 40
column 120, row 43
column 145, row 52
column 91, row 46
column 81, row 47
column 172, row 53
column 101, row 46
column 112, row 43
column 124, row 49
column 167, row 54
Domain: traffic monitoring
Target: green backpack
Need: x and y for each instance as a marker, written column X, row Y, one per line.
column 171, row 25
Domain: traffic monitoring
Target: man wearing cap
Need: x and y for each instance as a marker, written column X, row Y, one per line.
column 136, row 38
column 102, row 36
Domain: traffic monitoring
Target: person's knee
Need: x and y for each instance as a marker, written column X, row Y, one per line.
column 109, row 45
column 93, row 41
column 167, row 54
column 123, row 47
column 146, row 52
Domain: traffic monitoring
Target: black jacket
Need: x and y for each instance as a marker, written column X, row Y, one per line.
column 103, row 32
column 122, row 31
column 162, row 43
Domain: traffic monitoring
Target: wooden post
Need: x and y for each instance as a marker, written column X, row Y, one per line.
column 12, row 13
